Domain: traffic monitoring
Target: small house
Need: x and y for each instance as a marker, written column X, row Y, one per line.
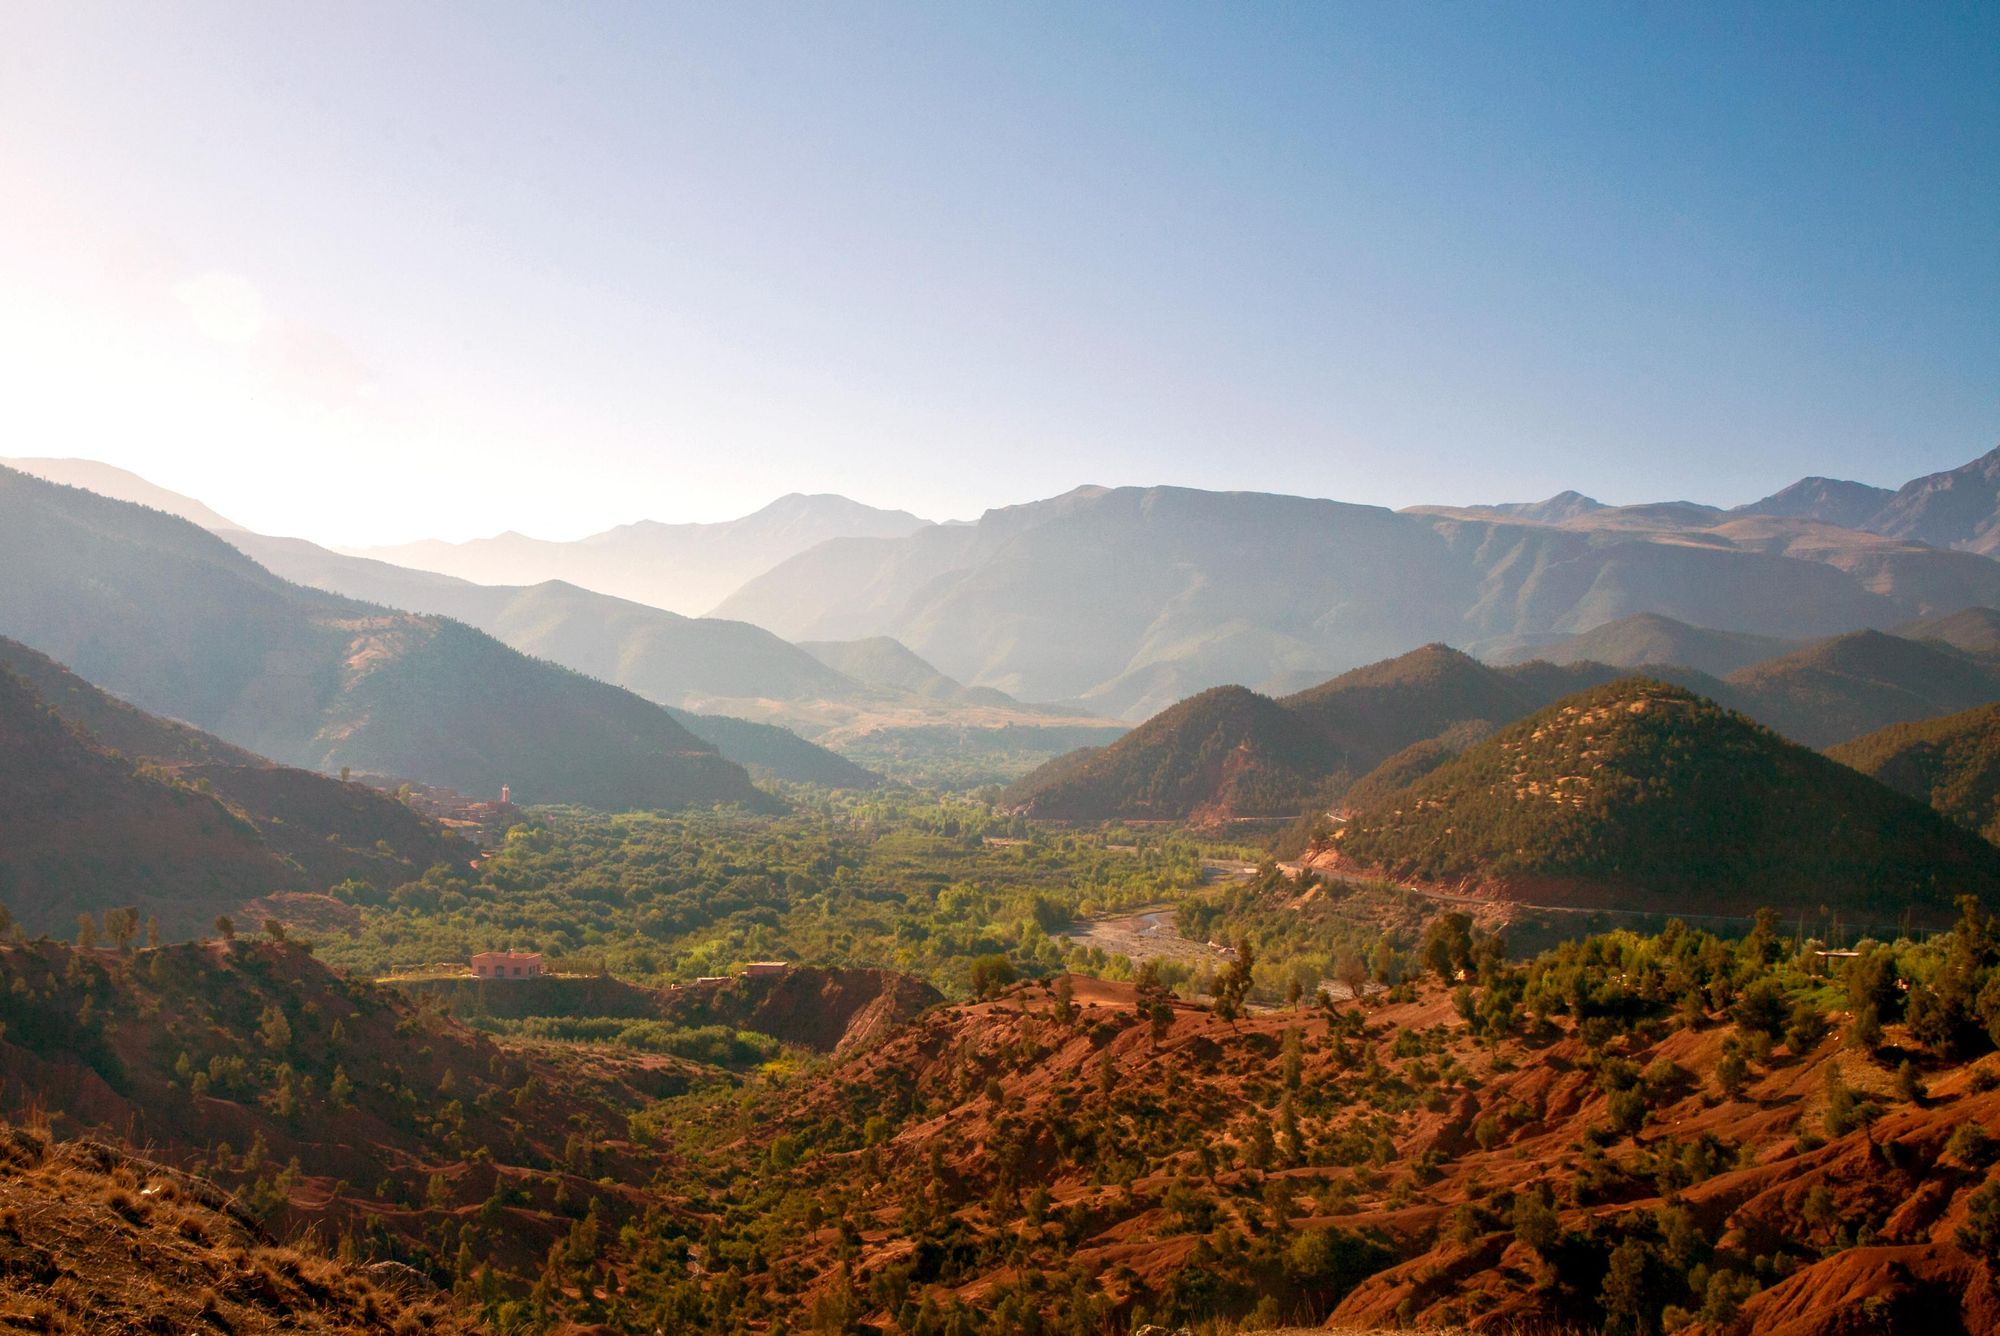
column 759, row 969
column 507, row 964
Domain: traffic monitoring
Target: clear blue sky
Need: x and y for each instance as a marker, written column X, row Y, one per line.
column 374, row 271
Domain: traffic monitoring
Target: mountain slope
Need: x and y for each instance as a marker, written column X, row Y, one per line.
column 1644, row 796
column 688, row 662
column 1647, row 638
column 1956, row 508
column 86, row 831
column 1827, row 500
column 176, row 620
column 121, row 485
column 1225, row 752
column 1974, row 630
column 1841, row 688
column 328, row 831
column 1125, row 600
column 880, row 661
column 687, row 568
column 1952, row 763
column 1229, row 752
column 766, row 749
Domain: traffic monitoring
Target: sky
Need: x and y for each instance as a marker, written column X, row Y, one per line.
column 371, row 272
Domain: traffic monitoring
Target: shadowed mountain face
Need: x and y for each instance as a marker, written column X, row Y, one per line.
column 1952, row 763
column 87, row 831
column 176, row 620
column 325, row 830
column 1974, row 630
column 1643, row 796
column 1126, row 600
column 1840, row 688
column 687, row 568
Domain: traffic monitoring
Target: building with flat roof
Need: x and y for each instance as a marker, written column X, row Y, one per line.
column 757, row 969
column 507, row 964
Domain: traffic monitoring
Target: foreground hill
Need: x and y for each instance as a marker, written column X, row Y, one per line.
column 103, row 1240
column 1586, row 1142
column 687, row 568
column 176, row 620
column 297, row 1089
column 1639, row 795
column 1952, row 763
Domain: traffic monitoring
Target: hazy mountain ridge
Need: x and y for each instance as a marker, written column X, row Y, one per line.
column 326, row 830
column 687, row 568
column 751, row 683
column 1648, row 638
column 1128, row 599
column 178, row 621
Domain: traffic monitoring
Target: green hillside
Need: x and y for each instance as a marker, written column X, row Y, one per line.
column 1643, row 795
column 1951, row 763
column 179, row 622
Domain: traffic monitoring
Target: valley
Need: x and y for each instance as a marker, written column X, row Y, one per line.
column 1637, row 979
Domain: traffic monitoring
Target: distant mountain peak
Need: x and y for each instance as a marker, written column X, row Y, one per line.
column 1826, row 500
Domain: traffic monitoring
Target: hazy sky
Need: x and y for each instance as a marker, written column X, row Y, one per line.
column 369, row 272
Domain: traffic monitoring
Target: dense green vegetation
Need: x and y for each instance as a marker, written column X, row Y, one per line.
column 890, row 880
column 1951, row 763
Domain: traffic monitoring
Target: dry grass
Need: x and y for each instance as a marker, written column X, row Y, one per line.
column 95, row 1241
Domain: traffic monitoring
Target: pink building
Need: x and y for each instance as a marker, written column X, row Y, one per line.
column 507, row 964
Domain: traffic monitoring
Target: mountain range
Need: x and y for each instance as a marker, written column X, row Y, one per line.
column 686, row 568
column 765, row 696
column 1230, row 752
column 174, row 619
column 1124, row 600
